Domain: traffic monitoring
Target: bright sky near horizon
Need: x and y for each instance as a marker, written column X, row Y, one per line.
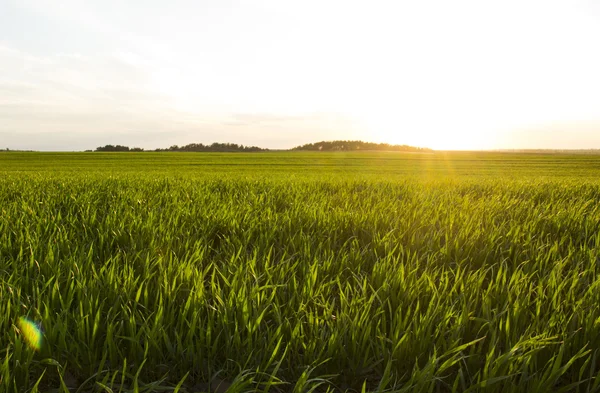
column 463, row 74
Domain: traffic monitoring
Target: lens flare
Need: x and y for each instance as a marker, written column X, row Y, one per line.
column 31, row 333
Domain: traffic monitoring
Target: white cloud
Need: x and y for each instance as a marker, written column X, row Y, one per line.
column 70, row 102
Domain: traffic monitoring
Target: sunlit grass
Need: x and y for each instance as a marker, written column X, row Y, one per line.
column 176, row 281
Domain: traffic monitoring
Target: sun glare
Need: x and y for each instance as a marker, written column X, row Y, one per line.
column 434, row 134
column 31, row 333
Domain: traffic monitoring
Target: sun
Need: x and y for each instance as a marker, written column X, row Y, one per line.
column 431, row 132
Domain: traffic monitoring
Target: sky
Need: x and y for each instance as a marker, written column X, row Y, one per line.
column 461, row 74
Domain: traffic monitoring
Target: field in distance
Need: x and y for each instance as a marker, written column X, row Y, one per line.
column 298, row 272
column 434, row 165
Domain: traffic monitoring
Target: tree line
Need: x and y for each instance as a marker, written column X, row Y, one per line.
column 234, row 147
column 192, row 147
column 358, row 145
column 223, row 147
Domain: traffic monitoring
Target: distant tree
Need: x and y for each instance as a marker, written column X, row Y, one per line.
column 112, row 148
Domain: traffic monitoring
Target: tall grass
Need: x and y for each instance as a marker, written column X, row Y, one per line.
column 162, row 282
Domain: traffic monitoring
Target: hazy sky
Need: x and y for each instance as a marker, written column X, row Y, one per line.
column 444, row 74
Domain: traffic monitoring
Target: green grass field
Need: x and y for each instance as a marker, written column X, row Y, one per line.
column 299, row 272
